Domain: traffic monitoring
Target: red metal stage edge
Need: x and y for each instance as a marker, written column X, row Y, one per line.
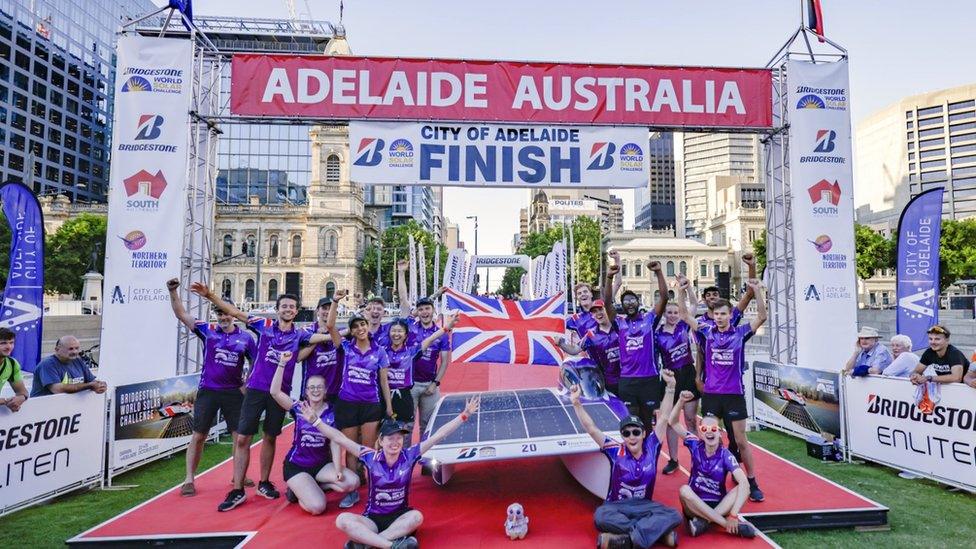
column 469, row 511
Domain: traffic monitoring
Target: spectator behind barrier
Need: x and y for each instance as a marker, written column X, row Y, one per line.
column 65, row 371
column 10, row 372
column 905, row 360
column 970, row 378
column 868, row 354
column 949, row 363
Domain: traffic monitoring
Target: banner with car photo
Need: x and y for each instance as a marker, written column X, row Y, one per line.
column 153, row 419
column 800, row 401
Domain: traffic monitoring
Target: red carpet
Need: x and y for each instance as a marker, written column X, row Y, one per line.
column 470, row 511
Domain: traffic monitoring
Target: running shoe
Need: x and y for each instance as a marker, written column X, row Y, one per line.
column 406, row 542
column 233, row 499
column 352, row 498
column 746, row 530
column 290, row 496
column 755, row 494
column 188, row 489
column 697, row 526
column 607, row 540
column 670, row 539
column 266, row 489
column 671, row 467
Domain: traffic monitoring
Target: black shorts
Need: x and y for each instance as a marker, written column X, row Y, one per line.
column 684, row 380
column 384, row 521
column 257, row 402
column 642, row 396
column 290, row 469
column 209, row 402
column 403, row 406
column 353, row 414
column 727, row 407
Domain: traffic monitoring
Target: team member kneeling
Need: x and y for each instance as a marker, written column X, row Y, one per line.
column 313, row 463
column 704, row 498
column 628, row 517
column 388, row 520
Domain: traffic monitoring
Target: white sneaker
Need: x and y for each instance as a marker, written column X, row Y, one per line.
column 908, row 476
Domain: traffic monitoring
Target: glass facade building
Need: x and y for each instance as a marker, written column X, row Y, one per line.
column 654, row 204
column 57, row 74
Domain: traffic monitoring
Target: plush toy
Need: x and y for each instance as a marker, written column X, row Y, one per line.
column 517, row 524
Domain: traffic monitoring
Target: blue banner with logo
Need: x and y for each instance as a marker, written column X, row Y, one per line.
column 23, row 296
column 919, row 230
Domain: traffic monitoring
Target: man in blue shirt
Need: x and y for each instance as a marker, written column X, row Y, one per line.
column 65, row 371
column 868, row 353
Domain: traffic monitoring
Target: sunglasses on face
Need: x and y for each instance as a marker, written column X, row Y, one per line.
column 631, row 432
column 708, row 428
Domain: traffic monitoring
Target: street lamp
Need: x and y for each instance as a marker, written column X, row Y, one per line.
column 476, row 247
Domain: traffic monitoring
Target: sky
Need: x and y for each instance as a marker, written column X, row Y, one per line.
column 897, row 48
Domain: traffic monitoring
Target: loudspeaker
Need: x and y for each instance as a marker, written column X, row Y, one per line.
column 722, row 281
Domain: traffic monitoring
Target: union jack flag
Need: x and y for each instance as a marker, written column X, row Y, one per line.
column 509, row 332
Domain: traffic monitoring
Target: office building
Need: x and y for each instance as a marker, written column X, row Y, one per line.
column 654, row 204
column 550, row 206
column 700, row 156
column 736, row 216
column 921, row 142
column 57, row 87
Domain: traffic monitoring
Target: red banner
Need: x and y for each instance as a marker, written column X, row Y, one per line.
column 345, row 88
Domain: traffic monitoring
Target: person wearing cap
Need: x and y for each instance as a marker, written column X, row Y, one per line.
column 313, row 464
column 397, row 391
column 275, row 337
column 949, row 363
column 225, row 347
column 868, row 353
column 388, row 520
column 673, row 340
column 582, row 320
column 628, row 516
column 602, row 344
column 323, row 359
column 640, row 386
column 705, row 499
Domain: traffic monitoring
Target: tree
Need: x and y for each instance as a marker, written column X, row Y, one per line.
column 957, row 251
column 395, row 242
column 759, row 249
column 872, row 251
column 586, row 239
column 69, row 250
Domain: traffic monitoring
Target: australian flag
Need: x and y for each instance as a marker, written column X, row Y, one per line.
column 508, row 332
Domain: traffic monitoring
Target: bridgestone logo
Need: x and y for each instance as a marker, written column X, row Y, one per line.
column 955, row 418
column 154, row 72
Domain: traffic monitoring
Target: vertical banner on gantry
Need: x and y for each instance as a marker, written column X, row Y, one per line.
column 823, row 211
column 146, row 205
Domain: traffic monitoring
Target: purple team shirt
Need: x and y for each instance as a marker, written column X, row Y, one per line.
column 389, row 487
column 400, row 372
column 382, row 335
column 735, row 317
column 360, row 372
column 632, row 478
column 309, row 447
column 636, row 337
column 708, row 474
column 604, row 349
column 324, row 361
column 581, row 322
column 271, row 343
column 725, row 358
column 674, row 348
column 223, row 356
column 425, row 364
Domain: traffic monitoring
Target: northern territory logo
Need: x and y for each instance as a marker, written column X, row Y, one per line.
column 631, row 158
column 145, row 80
column 370, row 152
column 601, row 155
column 148, row 129
column 143, row 190
column 825, row 197
column 824, row 244
column 824, row 144
column 142, row 258
column 401, row 154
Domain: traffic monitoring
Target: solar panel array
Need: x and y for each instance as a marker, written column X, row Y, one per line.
column 517, row 415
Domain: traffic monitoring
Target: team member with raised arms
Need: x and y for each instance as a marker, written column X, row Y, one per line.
column 323, row 358
column 388, row 521
column 400, row 374
column 583, row 321
column 629, row 517
column 673, row 340
column 313, row 463
column 705, row 499
column 602, row 344
column 221, row 379
column 724, row 347
column 275, row 336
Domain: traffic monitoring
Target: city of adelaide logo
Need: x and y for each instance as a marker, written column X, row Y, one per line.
column 143, row 190
column 601, row 155
column 825, row 197
column 134, row 240
column 401, row 154
column 631, row 158
column 824, row 144
column 370, row 152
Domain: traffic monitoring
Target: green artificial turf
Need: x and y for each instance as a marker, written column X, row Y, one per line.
column 922, row 513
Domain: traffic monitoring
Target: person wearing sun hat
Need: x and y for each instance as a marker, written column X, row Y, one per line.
column 868, row 353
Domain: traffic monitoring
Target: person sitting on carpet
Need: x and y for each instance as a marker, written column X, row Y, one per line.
column 628, row 517
column 313, row 463
column 704, row 499
column 388, row 521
